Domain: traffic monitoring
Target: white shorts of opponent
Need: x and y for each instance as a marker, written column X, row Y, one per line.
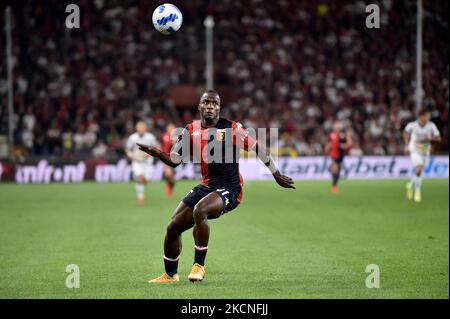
column 419, row 158
column 143, row 168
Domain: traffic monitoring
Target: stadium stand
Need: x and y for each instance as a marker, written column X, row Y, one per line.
column 78, row 92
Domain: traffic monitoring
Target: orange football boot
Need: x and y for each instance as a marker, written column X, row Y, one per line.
column 165, row 278
column 197, row 273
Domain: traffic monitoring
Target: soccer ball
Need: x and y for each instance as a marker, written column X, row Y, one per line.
column 167, row 18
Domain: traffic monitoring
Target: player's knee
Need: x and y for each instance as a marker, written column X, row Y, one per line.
column 419, row 171
column 200, row 212
column 173, row 230
column 141, row 180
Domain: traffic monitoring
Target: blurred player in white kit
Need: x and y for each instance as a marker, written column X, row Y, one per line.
column 418, row 136
column 142, row 164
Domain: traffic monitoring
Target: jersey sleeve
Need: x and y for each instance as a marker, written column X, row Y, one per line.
column 153, row 141
column 183, row 141
column 166, row 145
column 129, row 144
column 242, row 138
column 409, row 128
column 434, row 130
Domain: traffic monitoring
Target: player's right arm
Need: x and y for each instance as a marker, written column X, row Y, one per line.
column 130, row 155
column 176, row 154
column 265, row 157
column 129, row 149
column 156, row 152
column 406, row 136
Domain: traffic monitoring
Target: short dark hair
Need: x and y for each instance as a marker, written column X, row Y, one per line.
column 210, row 92
column 423, row 111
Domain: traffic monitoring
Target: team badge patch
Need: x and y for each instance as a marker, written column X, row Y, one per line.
column 220, row 136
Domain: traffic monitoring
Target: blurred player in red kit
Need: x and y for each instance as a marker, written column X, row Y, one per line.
column 340, row 142
column 169, row 172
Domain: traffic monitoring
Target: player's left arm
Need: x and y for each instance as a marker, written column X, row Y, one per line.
column 265, row 157
column 247, row 142
column 435, row 135
column 328, row 146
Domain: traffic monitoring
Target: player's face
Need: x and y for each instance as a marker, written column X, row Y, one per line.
column 425, row 118
column 141, row 128
column 337, row 126
column 170, row 128
column 209, row 106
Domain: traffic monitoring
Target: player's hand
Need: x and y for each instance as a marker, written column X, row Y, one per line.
column 150, row 150
column 283, row 181
column 406, row 150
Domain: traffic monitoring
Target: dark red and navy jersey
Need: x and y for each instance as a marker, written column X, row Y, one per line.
column 338, row 140
column 216, row 148
column 166, row 143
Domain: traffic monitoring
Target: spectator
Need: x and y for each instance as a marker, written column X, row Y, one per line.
column 100, row 150
column 294, row 65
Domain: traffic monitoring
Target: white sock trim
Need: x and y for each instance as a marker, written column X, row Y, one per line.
column 200, row 248
column 171, row 259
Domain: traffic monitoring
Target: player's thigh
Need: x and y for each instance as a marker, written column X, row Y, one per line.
column 138, row 171
column 140, row 179
column 147, row 171
column 334, row 165
column 339, row 161
column 418, row 159
column 419, row 169
column 210, row 206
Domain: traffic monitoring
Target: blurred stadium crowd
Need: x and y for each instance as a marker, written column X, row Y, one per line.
column 296, row 65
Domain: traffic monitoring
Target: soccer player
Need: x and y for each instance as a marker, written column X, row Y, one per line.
column 221, row 189
column 142, row 164
column 418, row 136
column 169, row 171
column 339, row 144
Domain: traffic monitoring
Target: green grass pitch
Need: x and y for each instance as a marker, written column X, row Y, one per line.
column 303, row 243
